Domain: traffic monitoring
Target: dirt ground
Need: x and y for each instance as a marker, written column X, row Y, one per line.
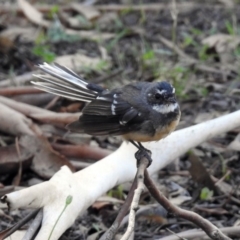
column 195, row 45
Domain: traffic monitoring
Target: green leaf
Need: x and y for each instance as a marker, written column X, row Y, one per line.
column 54, row 10
column 230, row 28
column 206, row 194
column 148, row 55
column 43, row 52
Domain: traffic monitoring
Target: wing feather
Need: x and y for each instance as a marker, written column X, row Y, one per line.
column 108, row 116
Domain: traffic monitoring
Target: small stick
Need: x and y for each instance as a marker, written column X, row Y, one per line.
column 111, row 232
column 199, row 234
column 143, row 164
column 12, row 91
column 212, row 231
column 18, row 225
column 33, row 228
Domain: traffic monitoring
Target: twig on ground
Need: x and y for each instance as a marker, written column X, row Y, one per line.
column 174, row 14
column 81, row 151
column 12, row 91
column 212, row 231
column 34, row 226
column 111, row 232
column 111, row 75
column 40, row 114
column 198, row 233
column 227, row 3
column 19, row 224
column 18, row 177
column 176, row 49
column 182, row 7
column 143, row 164
column 52, row 102
column 19, row 80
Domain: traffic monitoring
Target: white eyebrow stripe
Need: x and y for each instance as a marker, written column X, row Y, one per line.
column 161, row 91
column 165, row 108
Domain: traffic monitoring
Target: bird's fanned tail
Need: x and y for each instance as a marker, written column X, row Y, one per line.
column 64, row 82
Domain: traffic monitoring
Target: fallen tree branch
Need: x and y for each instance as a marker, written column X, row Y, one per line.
column 117, row 168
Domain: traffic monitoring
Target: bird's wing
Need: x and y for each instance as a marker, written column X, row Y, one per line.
column 108, row 114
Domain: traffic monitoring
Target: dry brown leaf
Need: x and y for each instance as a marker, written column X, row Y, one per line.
column 78, row 61
column 101, row 204
column 27, row 34
column 17, row 80
column 235, row 144
column 152, row 213
column 33, row 14
column 6, row 44
column 90, row 12
column 205, row 116
column 228, row 3
column 222, row 42
column 9, row 159
column 176, row 193
column 199, row 173
column 93, row 35
column 224, row 187
column 46, row 162
column 75, row 22
column 107, row 20
column 211, row 211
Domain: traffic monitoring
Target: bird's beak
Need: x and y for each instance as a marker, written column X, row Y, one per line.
column 172, row 99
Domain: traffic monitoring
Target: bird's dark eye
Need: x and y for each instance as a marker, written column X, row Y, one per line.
column 158, row 96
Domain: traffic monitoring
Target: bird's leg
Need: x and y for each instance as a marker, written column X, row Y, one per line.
column 142, row 152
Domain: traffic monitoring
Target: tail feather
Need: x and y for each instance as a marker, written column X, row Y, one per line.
column 64, row 82
column 62, row 92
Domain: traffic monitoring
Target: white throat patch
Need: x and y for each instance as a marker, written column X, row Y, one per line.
column 165, row 108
